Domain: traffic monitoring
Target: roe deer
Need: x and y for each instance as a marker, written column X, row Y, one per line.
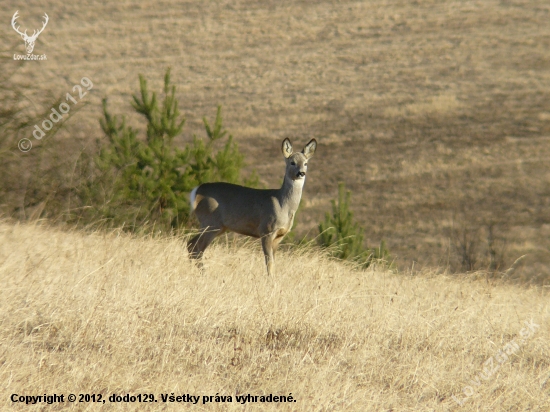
column 262, row 213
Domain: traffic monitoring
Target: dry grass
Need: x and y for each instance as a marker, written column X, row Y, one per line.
column 423, row 108
column 437, row 116
column 108, row 313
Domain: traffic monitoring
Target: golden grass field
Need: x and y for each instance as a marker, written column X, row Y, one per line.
column 104, row 313
column 436, row 114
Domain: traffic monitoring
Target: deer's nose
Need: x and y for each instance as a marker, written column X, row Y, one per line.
column 300, row 174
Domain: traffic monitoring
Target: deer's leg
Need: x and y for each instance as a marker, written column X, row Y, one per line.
column 199, row 243
column 192, row 247
column 276, row 242
column 211, row 226
column 267, row 246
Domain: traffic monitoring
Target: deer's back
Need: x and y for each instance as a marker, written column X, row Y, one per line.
column 237, row 208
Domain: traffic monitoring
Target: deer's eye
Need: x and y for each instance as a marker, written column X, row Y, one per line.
column 293, row 164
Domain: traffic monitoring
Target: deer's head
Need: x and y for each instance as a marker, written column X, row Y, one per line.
column 296, row 163
column 29, row 40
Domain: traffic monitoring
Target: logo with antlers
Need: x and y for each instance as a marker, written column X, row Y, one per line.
column 29, row 40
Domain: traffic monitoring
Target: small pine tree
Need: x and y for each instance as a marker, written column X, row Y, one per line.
column 344, row 237
column 148, row 180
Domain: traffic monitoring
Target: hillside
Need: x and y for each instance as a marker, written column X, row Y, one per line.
column 435, row 113
column 106, row 313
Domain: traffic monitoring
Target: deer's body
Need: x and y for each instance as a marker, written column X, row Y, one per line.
column 261, row 213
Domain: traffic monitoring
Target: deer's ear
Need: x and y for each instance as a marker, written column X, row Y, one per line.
column 286, row 148
column 309, row 148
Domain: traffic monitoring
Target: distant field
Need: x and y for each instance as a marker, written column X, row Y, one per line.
column 436, row 114
column 105, row 313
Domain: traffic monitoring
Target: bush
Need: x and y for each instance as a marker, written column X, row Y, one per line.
column 146, row 182
column 478, row 243
column 344, row 238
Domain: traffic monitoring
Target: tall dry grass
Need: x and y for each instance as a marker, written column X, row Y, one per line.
column 109, row 313
column 425, row 109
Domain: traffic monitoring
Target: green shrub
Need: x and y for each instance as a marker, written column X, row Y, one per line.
column 146, row 182
column 344, row 238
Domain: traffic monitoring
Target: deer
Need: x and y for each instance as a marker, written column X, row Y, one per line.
column 29, row 40
column 267, row 214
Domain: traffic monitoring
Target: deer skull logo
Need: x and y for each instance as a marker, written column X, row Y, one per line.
column 29, row 40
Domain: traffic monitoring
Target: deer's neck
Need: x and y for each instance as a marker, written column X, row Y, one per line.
column 291, row 193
